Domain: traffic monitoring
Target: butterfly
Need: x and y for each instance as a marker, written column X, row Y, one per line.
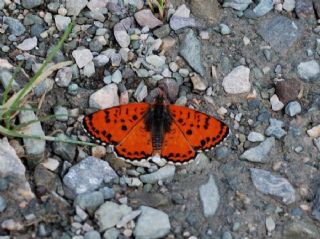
column 140, row 131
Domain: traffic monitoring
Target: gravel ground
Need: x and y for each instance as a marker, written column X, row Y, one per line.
column 252, row 64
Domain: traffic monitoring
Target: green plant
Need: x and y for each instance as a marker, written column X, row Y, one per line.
column 11, row 106
column 160, row 4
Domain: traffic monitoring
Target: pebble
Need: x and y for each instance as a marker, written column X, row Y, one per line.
column 64, row 77
column 293, row 108
column 162, row 32
column 314, row 132
column 89, row 70
column 190, row 50
column 62, row 22
column 28, row 44
column 64, row 150
column 31, row 3
column 275, row 129
column 288, row 90
column 270, row 224
column 74, row 7
column 146, row 18
column 89, row 201
column 141, row 92
column 127, row 218
column 121, row 35
column 156, row 61
column 210, row 197
column 198, row 82
column 237, row 81
column 315, row 141
column 181, row 18
column 133, row 182
column 110, row 213
column 309, row 70
column 82, row 56
column 316, row 206
column 61, row 113
column 171, row 88
column 3, row 204
column 100, row 60
column 263, row 7
column 259, row 154
column 278, row 186
column 276, row 104
column 3, row 182
column 280, row 32
column 11, row 225
column 106, row 97
column 165, row 173
column 173, row 66
column 73, row 89
column 15, row 26
column 34, row 147
column 51, row 164
column 289, row 5
column 224, row 29
column 152, row 223
column 255, row 137
column 88, row 175
column 304, row 9
column 300, row 229
column 111, row 233
column 239, row 5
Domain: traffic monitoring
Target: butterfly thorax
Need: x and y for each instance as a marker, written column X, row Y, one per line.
column 158, row 121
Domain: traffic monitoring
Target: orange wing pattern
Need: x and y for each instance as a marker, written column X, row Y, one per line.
column 202, row 131
column 137, row 145
column 112, row 125
column 175, row 146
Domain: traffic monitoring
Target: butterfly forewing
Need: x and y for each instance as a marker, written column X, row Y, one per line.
column 201, row 131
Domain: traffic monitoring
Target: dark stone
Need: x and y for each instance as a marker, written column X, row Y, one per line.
column 304, row 9
column 316, row 5
column 316, row 206
column 280, row 32
column 288, row 90
column 36, row 30
column 162, row 31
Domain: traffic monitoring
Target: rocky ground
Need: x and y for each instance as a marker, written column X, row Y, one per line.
column 255, row 65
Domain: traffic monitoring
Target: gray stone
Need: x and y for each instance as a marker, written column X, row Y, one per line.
column 100, row 60
column 278, row 186
column 89, row 201
column 210, row 198
column 227, row 235
column 2, row 3
column 280, row 32
column 11, row 166
column 61, row 22
column 117, row 77
column 255, row 137
column 263, row 7
column 5, row 77
column 105, row 97
column 293, row 108
column 239, row 5
column 275, row 129
column 61, row 113
column 259, row 153
column 31, row 3
column 316, row 205
column 107, row 192
column 162, row 31
column 309, row 70
column 237, row 81
column 141, row 92
column 289, row 5
column 88, row 175
column 3, row 204
column 82, row 56
column 317, row 143
column 276, row 104
column 34, row 147
column 28, row 44
column 181, row 19
column 224, row 29
column 64, row 77
column 15, row 26
column 165, row 173
column 300, row 229
column 190, row 50
column 146, row 18
column 121, row 35
column 74, row 7
column 110, row 213
column 152, row 224
column 111, row 233
column 304, row 9
column 115, row 59
column 65, row 150
column 89, row 70
column 92, row 235
column 155, row 60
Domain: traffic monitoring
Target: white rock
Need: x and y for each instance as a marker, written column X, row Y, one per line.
column 276, row 104
column 88, row 69
column 105, row 97
column 117, row 77
column 314, row 132
column 121, row 35
column 289, row 5
column 308, row 70
column 74, row 7
column 28, row 44
column 51, row 164
column 182, row 11
column 255, row 137
column 82, row 56
column 246, row 40
column 155, row 60
column 237, row 81
column 61, row 22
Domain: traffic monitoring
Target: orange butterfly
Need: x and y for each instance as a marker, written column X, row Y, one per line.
column 140, row 131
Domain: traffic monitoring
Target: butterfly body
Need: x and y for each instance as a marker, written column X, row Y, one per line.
column 140, row 131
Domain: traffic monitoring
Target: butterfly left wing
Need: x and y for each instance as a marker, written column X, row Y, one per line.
column 202, row 131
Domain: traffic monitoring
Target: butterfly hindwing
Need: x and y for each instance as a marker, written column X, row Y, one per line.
column 201, row 131
column 112, row 125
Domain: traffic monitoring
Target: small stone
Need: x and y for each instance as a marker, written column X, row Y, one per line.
column 61, row 113
column 316, row 205
column 304, row 9
column 121, row 35
column 65, row 150
column 270, row 224
column 155, row 60
column 288, row 90
column 314, row 132
column 105, row 97
column 184, row 72
column 162, row 31
column 3, row 204
column 165, row 173
column 255, row 137
column 210, row 198
column 278, row 186
column 89, row 70
column 170, row 87
column 62, row 22
column 246, row 41
column 152, row 223
column 100, row 60
column 88, row 175
column 31, row 3
column 89, row 201
column 28, row 44
column 111, row 233
column 289, row 5
column 259, row 154
column 293, row 108
column 237, row 81
column 11, row 225
column 224, row 29
column 82, row 56
column 309, row 70
column 227, row 235
column 15, row 26
column 64, row 77
column 110, row 213
column 275, row 129
column 300, row 229
column 146, row 18
column 204, row 35
column 133, row 182
column 141, row 92
column 263, row 7
column 276, row 104
column 315, row 141
column 173, row 66
column 99, row 151
column 198, row 82
column 74, row 7
column 108, row 193
column 239, row 5
column 51, row 164
column 181, row 18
